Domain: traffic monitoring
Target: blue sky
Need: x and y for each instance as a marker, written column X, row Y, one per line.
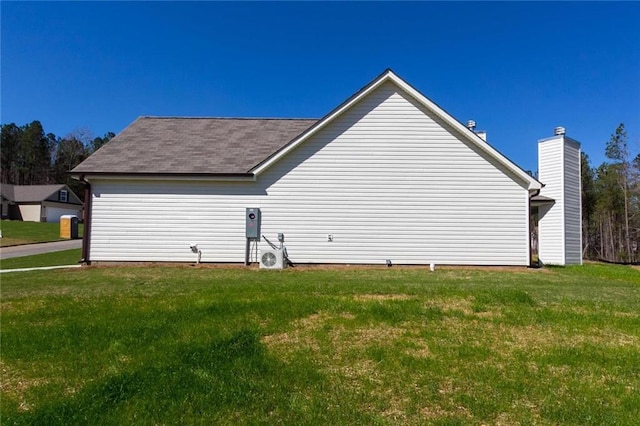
column 519, row 69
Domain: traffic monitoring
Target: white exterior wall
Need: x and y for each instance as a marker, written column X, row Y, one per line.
column 30, row 212
column 53, row 213
column 158, row 221
column 551, row 217
column 560, row 225
column 385, row 179
column 572, row 203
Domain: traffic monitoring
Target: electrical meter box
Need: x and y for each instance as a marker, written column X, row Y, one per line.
column 253, row 219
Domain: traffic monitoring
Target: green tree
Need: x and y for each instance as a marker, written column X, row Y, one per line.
column 35, row 160
column 10, row 152
column 31, row 157
column 609, row 213
column 589, row 242
column 617, row 150
column 70, row 152
column 634, row 207
column 99, row 142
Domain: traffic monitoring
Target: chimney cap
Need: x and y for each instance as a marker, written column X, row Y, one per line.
column 558, row 131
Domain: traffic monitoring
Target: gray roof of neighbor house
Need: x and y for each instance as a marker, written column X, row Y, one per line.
column 193, row 146
column 33, row 193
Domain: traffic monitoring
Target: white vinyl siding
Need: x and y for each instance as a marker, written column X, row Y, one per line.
column 551, row 217
column 158, row 221
column 389, row 182
column 560, row 226
column 385, row 179
column 573, row 204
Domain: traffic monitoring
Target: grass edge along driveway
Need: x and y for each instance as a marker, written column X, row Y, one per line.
column 190, row 345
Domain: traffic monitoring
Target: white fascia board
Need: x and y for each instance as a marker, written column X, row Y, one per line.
column 532, row 184
column 210, row 178
column 564, row 138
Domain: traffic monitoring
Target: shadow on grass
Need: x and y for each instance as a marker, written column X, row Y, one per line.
column 230, row 379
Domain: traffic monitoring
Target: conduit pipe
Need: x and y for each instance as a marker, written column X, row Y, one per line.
column 86, row 218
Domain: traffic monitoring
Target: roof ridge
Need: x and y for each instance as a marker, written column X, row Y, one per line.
column 172, row 117
column 30, row 193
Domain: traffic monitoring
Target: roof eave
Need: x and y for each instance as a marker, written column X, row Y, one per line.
column 238, row 177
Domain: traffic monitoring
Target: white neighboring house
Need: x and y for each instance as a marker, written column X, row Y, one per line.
column 386, row 175
column 39, row 203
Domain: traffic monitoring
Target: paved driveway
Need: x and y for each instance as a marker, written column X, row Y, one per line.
column 31, row 249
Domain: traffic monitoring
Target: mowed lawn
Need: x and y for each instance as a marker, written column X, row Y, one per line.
column 56, row 258
column 16, row 232
column 200, row 345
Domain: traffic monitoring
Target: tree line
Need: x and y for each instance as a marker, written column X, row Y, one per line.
column 32, row 157
column 611, row 203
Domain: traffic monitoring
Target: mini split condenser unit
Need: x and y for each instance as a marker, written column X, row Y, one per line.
column 272, row 259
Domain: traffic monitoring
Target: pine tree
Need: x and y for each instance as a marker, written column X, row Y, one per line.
column 11, row 152
column 588, row 206
column 617, row 150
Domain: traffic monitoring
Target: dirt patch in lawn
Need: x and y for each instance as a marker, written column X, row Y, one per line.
column 380, row 297
column 14, row 386
column 323, row 331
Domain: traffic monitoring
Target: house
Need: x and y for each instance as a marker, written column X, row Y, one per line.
column 39, row 203
column 386, row 175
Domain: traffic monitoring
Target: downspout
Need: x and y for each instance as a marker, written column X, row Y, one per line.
column 86, row 234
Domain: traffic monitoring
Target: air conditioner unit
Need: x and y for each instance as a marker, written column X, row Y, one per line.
column 272, row 259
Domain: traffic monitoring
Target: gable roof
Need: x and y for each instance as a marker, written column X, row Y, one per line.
column 389, row 76
column 192, row 146
column 33, row 193
column 245, row 147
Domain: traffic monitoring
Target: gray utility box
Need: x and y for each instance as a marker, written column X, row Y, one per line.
column 253, row 218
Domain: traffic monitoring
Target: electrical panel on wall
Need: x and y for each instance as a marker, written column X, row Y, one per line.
column 252, row 219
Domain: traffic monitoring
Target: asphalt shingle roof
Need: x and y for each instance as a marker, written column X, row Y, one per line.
column 183, row 145
column 29, row 193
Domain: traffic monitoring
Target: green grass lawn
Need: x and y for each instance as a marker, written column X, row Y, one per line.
column 198, row 345
column 15, row 232
column 65, row 257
